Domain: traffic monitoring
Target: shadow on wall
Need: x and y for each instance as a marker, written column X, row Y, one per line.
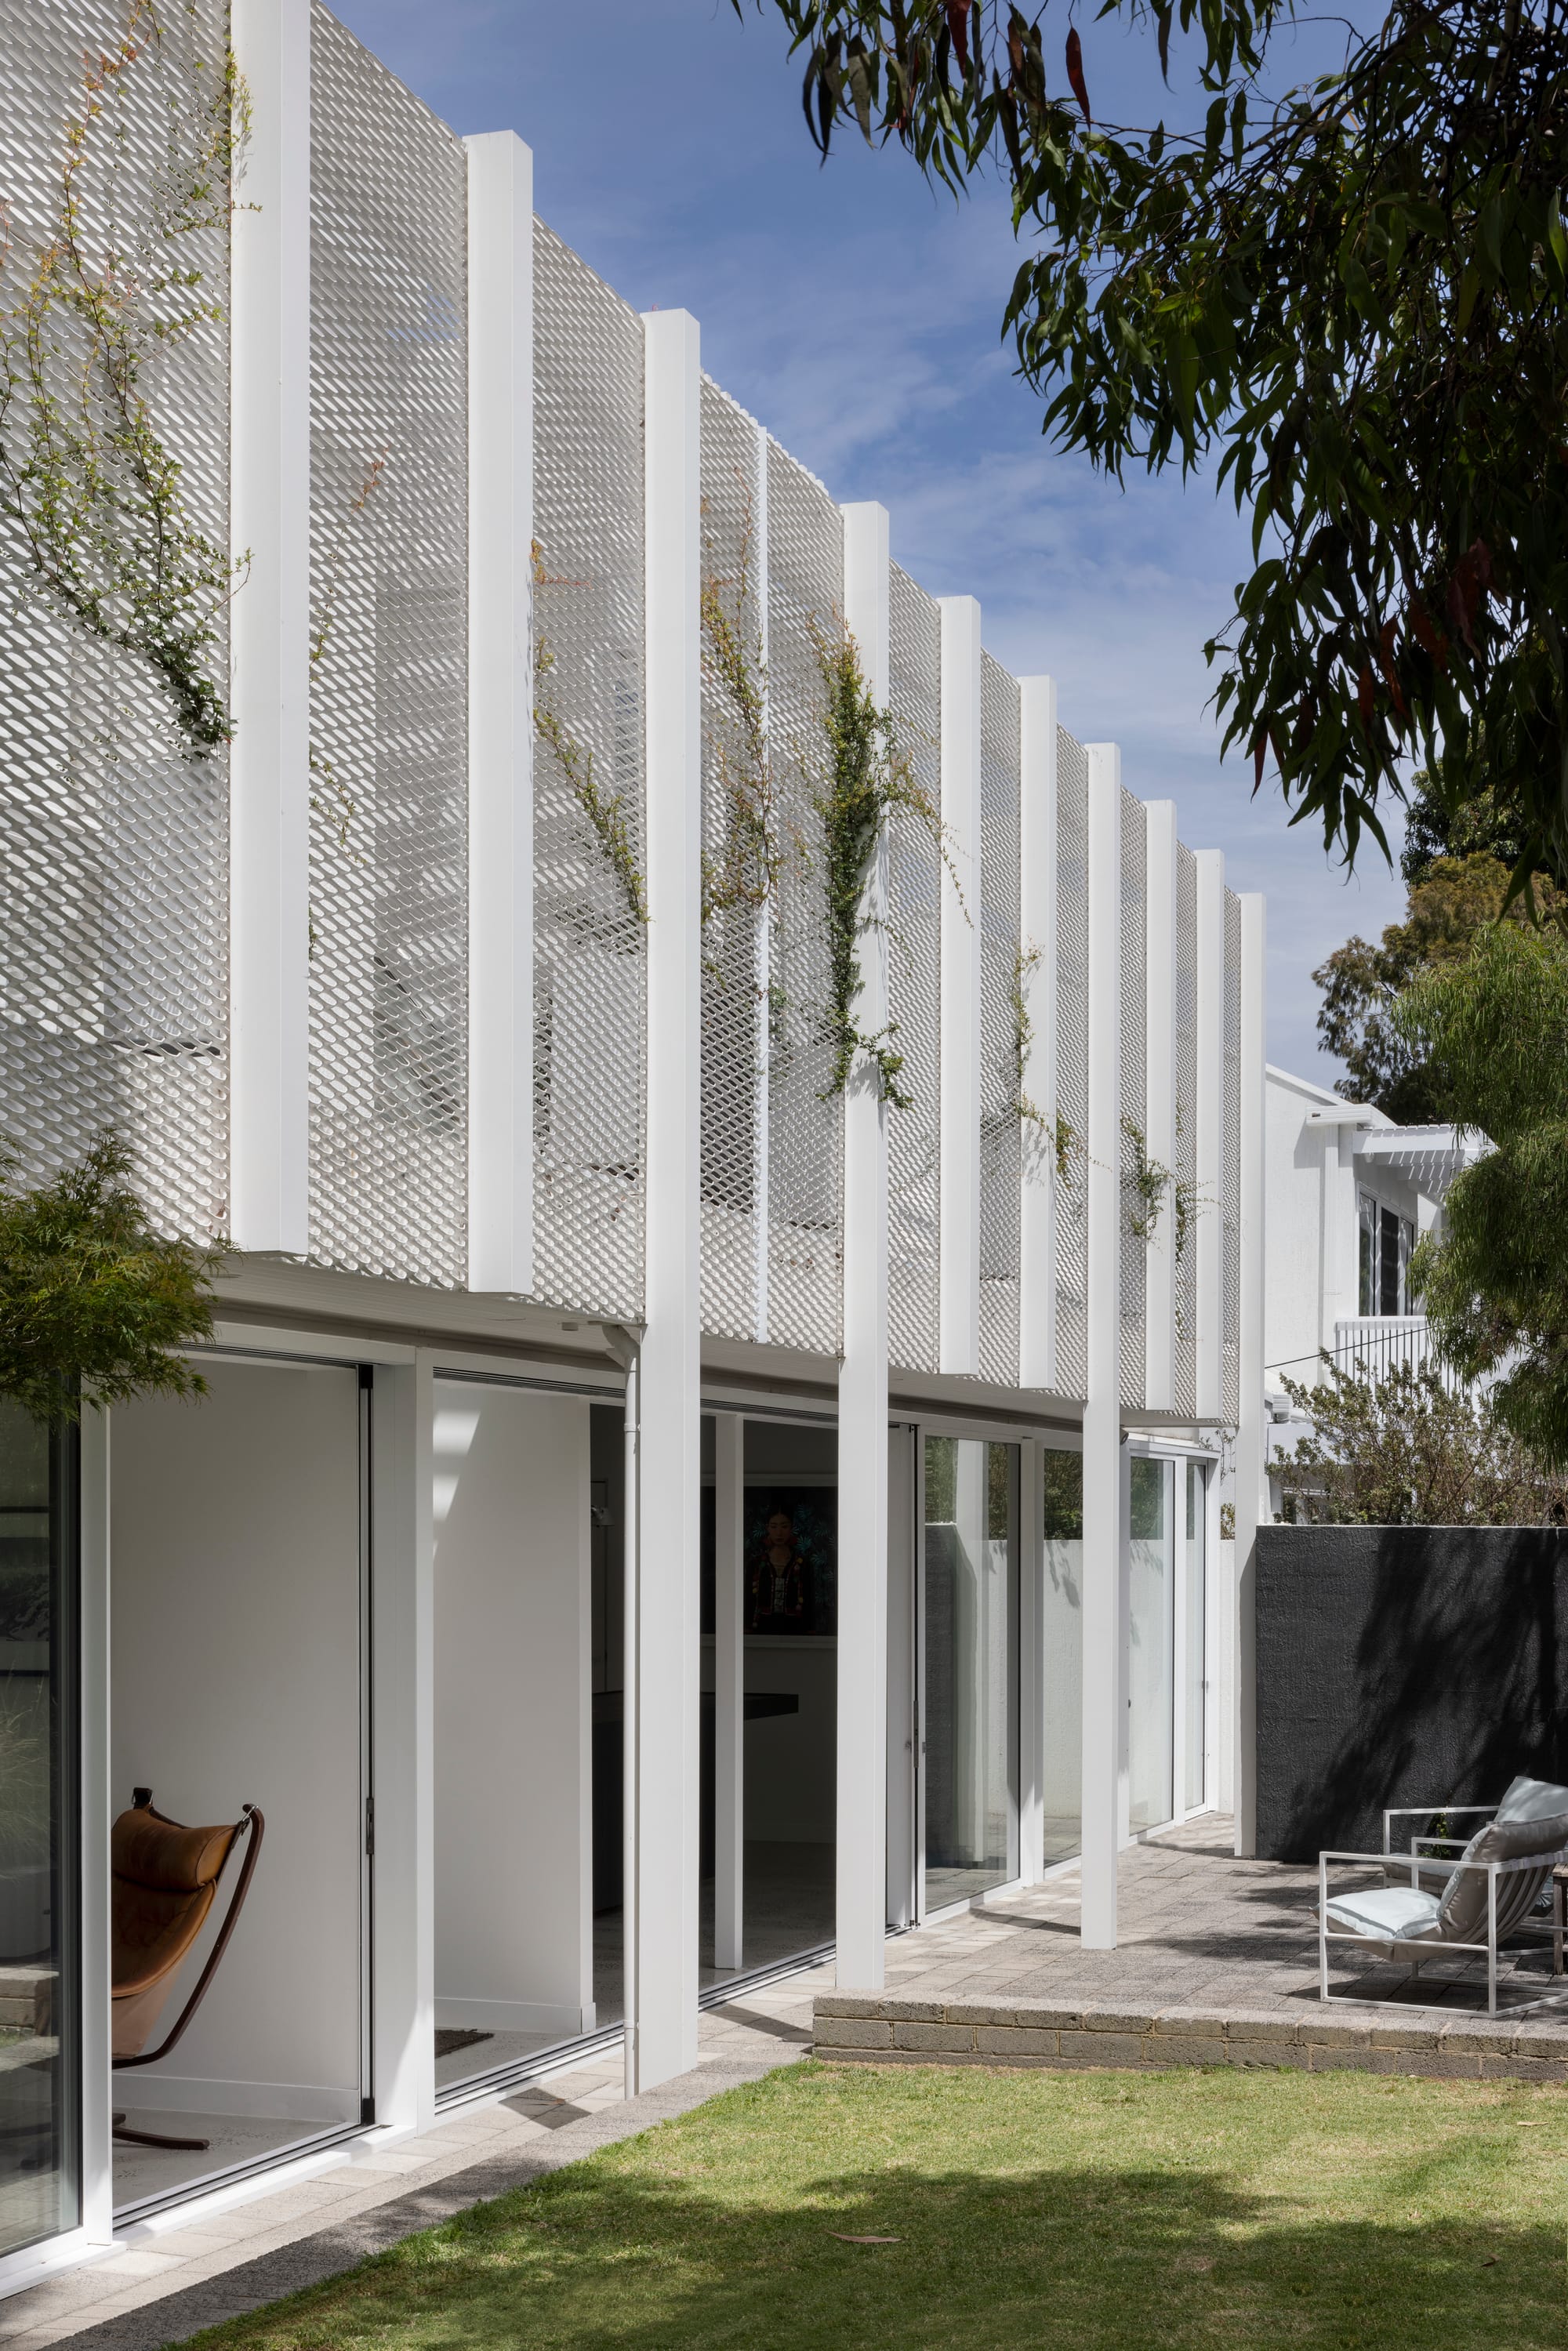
column 1402, row 1665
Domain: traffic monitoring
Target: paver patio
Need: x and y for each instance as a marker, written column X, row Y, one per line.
column 1197, row 1928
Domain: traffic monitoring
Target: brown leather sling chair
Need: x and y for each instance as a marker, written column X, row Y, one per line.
column 166, row 1881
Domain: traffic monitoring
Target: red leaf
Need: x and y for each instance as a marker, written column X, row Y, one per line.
column 1365, row 693
column 1431, row 639
column 1075, row 71
column 1461, row 600
column 1259, row 752
column 1480, row 557
column 1015, row 59
column 958, row 25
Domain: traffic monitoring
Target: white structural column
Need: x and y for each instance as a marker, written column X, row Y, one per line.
column 960, row 1147
column 98, row 1810
column 1037, row 931
column 500, row 712
column 728, row 1690
column 1160, row 1097
column 269, row 524
column 1210, row 1021
column 861, row 1918
column 1103, row 1463
column 762, row 943
column 667, row 1634
column 1251, row 1480
column 403, row 1753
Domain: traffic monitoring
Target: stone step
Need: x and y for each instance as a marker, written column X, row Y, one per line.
column 1318, row 2037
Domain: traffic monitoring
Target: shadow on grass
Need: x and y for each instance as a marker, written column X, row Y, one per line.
column 1117, row 2257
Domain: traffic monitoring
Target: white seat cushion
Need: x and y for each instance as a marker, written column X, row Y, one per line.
column 1386, row 1915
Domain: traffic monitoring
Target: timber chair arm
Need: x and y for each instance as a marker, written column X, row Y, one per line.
column 250, row 1818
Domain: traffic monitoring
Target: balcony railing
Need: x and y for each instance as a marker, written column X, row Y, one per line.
column 1376, row 1344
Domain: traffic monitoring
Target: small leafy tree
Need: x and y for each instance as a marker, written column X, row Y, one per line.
column 1405, row 1451
column 94, row 1306
column 1455, row 899
column 1494, row 1283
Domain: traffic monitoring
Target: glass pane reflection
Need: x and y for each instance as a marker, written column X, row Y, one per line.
column 37, row 1844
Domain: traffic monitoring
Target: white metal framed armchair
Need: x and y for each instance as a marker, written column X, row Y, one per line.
column 1487, row 1889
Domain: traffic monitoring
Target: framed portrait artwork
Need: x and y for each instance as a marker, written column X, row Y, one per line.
column 790, row 1560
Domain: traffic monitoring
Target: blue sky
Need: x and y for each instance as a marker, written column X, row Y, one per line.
column 858, row 315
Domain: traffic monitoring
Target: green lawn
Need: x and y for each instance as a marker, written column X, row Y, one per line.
column 1079, row 2210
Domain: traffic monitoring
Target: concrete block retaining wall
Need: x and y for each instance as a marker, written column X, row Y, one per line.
column 850, row 2029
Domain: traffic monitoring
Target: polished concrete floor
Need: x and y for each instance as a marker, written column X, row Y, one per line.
column 787, row 1909
column 142, row 2172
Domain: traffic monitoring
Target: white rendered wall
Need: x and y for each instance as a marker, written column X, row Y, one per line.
column 234, row 1534
column 1304, row 1242
column 514, row 1929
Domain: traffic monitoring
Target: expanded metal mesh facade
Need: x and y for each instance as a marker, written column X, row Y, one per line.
column 389, row 881
column 1000, row 1071
column 1072, row 1063
column 1137, row 1208
column 1185, row 1205
column 1231, row 1167
column 736, row 777
column 113, row 920
column 805, row 1120
column 915, row 985
column 591, row 939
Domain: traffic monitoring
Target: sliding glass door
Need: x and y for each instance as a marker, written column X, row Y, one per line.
column 1151, row 1644
column 967, row 1671
column 39, row 2047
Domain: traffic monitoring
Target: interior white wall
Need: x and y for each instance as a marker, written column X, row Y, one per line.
column 514, row 1929
column 235, row 1678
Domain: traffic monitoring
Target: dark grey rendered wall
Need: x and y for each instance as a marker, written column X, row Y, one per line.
column 1403, row 1666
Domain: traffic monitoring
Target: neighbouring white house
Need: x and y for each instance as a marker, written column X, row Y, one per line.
column 1348, row 1194
column 658, row 1513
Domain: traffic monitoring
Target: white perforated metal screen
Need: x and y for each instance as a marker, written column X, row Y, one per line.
column 389, row 676
column 735, row 930
column 805, row 593
column 113, row 919
column 999, row 919
column 1136, row 1208
column 1186, row 1130
column 914, row 976
column 1231, row 1180
column 1071, row 1061
column 590, row 942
